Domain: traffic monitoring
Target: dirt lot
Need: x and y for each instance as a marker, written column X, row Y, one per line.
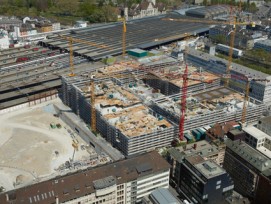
column 30, row 148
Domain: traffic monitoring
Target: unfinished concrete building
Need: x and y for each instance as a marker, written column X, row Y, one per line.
column 260, row 90
column 168, row 80
column 121, row 118
column 209, row 107
column 138, row 109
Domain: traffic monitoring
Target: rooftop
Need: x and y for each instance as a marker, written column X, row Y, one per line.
column 137, row 36
column 235, row 67
column 203, row 148
column 264, row 42
column 220, row 99
column 249, row 154
column 78, row 184
column 255, row 132
column 123, row 109
column 265, row 120
column 209, row 169
column 163, row 195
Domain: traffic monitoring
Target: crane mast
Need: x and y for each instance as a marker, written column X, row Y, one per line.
column 183, row 103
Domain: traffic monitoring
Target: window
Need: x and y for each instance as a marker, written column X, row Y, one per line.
column 218, row 187
column 218, row 182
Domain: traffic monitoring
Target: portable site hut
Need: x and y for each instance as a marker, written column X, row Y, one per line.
column 137, row 53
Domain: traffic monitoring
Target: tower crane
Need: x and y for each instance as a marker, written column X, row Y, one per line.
column 234, row 23
column 124, row 37
column 248, row 80
column 72, row 40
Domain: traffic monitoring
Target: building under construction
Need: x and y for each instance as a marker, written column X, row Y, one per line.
column 208, row 107
column 134, row 111
column 121, row 117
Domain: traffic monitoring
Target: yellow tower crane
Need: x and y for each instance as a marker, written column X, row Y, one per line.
column 124, row 37
column 248, row 80
column 93, row 110
column 75, row 40
column 234, row 23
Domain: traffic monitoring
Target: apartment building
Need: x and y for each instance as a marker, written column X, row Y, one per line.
column 204, row 181
column 122, row 182
column 247, row 167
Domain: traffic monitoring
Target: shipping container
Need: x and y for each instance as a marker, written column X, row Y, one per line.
column 188, row 136
column 197, row 134
column 203, row 133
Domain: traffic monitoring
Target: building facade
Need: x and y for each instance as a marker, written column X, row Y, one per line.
column 146, row 8
column 123, row 182
column 204, row 181
column 203, row 148
column 242, row 38
column 258, row 140
column 125, row 132
column 245, row 165
column 259, row 90
column 263, row 44
column 264, row 124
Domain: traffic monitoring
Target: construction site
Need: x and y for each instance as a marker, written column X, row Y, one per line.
column 35, row 144
column 137, row 107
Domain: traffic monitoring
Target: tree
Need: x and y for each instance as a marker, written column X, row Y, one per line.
column 67, row 6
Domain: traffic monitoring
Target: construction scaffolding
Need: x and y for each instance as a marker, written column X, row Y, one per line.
column 138, row 108
column 209, row 107
column 121, row 118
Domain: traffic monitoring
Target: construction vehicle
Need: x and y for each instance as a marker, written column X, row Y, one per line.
column 74, row 40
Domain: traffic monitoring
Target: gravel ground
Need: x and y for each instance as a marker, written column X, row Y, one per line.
column 28, row 145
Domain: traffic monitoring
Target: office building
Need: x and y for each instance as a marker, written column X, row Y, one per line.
column 204, row 181
column 246, row 165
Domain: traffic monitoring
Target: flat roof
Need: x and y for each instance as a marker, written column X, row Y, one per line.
column 255, row 132
column 78, row 184
column 266, row 42
column 122, row 109
column 203, row 148
column 235, row 67
column 264, row 151
column 137, row 35
column 266, row 120
column 209, row 169
column 163, row 196
column 137, row 50
column 249, row 154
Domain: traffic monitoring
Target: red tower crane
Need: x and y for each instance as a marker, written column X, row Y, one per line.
column 183, row 103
